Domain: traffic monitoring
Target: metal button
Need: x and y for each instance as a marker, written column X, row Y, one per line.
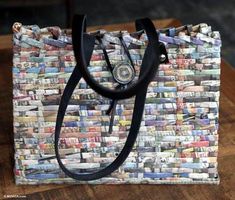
column 123, row 73
column 162, row 57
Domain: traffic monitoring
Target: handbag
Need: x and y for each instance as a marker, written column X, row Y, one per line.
column 116, row 107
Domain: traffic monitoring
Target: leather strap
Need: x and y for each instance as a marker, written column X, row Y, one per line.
column 127, row 52
column 134, row 129
column 105, row 54
column 137, row 111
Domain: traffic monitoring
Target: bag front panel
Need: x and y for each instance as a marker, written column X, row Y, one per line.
column 178, row 138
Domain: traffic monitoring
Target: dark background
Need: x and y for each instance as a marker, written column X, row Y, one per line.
column 219, row 14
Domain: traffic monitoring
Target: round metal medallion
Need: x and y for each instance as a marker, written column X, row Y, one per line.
column 123, row 73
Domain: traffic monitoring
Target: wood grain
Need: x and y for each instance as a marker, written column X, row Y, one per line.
column 131, row 26
column 226, row 159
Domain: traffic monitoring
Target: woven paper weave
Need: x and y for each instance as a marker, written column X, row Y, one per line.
column 178, row 138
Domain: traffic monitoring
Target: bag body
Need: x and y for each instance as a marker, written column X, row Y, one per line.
column 178, row 138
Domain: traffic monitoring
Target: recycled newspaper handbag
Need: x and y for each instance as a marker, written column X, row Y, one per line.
column 116, row 107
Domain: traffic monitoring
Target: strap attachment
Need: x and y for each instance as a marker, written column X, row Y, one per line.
column 150, row 57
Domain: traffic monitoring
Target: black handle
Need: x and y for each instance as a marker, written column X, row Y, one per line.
column 146, row 67
column 150, row 60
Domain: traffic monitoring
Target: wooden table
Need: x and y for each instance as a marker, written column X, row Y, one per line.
column 226, row 189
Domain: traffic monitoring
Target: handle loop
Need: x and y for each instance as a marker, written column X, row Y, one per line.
column 148, row 69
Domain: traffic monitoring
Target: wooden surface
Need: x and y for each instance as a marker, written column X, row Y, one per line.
column 226, row 159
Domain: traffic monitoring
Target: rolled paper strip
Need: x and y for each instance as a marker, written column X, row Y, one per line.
column 31, row 41
column 196, row 41
column 65, row 39
column 184, row 37
column 189, row 28
column 111, row 39
column 128, row 39
column 171, row 40
column 215, row 35
column 172, row 32
column 56, row 43
column 16, row 27
column 42, row 176
column 36, row 59
column 157, row 175
column 55, row 31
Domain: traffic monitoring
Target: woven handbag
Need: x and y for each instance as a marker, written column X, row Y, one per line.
column 116, row 107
